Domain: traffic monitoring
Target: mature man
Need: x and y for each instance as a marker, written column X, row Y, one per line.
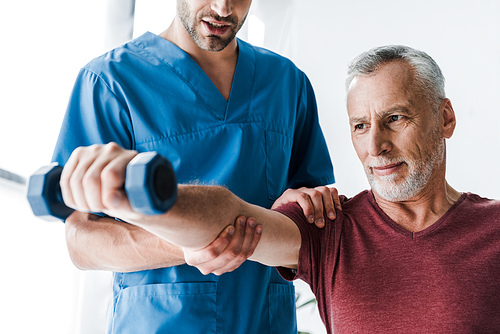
column 412, row 255
column 224, row 112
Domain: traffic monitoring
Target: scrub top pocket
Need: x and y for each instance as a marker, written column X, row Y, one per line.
column 187, row 308
column 281, row 307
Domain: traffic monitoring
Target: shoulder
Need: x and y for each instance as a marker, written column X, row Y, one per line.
column 270, row 59
column 478, row 204
column 307, row 230
column 264, row 54
column 480, row 200
column 133, row 54
column 359, row 203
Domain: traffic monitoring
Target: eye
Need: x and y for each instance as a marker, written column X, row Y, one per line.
column 395, row 118
column 359, row 126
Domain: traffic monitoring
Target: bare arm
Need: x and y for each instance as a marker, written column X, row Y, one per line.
column 202, row 212
column 228, row 253
column 93, row 180
column 97, row 243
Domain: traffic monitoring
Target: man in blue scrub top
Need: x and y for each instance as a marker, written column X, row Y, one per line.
column 223, row 112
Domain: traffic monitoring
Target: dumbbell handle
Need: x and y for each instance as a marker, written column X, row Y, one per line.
column 150, row 184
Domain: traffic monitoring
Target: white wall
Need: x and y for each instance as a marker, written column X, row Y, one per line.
column 44, row 44
column 462, row 36
column 38, row 283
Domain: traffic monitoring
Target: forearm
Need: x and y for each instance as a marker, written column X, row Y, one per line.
column 96, row 243
column 202, row 212
column 198, row 216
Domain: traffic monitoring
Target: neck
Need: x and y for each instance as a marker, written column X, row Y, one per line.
column 420, row 212
column 218, row 65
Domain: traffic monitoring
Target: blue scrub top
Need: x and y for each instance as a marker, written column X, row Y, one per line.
column 149, row 95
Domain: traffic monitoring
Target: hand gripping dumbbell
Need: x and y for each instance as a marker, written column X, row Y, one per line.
column 150, row 184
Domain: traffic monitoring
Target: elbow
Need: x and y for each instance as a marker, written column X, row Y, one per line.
column 230, row 205
column 73, row 242
column 200, row 215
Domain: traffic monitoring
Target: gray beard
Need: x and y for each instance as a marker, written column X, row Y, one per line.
column 420, row 173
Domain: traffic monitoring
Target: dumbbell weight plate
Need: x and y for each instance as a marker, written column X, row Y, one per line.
column 151, row 184
column 44, row 194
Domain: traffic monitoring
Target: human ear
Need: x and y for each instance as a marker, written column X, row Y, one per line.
column 448, row 117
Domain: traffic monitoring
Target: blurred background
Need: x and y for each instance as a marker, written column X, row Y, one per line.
column 45, row 43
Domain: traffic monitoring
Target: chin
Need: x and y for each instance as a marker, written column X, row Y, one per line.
column 393, row 191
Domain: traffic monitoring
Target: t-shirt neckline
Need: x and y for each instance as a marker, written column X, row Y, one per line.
column 419, row 234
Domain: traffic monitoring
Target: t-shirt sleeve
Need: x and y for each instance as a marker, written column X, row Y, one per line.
column 318, row 248
column 94, row 116
column 311, row 165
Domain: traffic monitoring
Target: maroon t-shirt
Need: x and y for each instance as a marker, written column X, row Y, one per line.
column 370, row 275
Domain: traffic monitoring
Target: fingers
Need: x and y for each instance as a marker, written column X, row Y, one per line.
column 71, row 189
column 328, row 201
column 200, row 258
column 93, row 178
column 113, row 180
column 242, row 246
column 311, row 205
column 314, row 203
column 310, row 200
column 248, row 242
column 299, row 196
column 231, row 248
column 325, row 200
column 336, row 199
column 321, row 203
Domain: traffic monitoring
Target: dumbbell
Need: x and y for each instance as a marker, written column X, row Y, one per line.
column 150, row 185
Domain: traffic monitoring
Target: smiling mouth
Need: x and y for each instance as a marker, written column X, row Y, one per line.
column 386, row 169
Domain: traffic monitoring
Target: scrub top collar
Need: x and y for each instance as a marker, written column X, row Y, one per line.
column 191, row 72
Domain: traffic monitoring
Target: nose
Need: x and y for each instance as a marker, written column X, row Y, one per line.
column 223, row 8
column 379, row 142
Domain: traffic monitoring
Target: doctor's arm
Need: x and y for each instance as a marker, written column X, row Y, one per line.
column 103, row 243
column 93, row 179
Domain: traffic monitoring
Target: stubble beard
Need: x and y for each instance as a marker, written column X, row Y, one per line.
column 419, row 174
column 212, row 42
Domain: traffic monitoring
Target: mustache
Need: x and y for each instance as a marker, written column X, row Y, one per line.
column 384, row 161
column 227, row 19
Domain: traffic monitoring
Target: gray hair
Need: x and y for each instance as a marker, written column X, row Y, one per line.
column 428, row 75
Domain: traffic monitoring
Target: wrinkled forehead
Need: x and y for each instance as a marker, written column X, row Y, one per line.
column 391, row 83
